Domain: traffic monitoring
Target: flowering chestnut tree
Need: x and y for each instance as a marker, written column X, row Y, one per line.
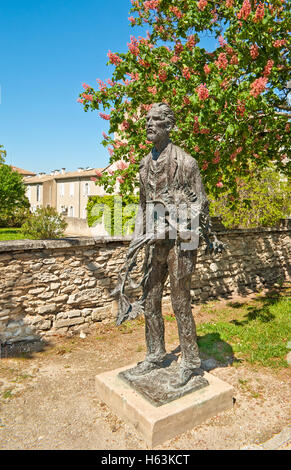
column 230, row 103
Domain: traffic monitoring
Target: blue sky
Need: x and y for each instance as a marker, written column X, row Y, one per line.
column 48, row 49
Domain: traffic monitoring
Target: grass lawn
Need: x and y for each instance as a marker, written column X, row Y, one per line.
column 11, row 234
column 254, row 331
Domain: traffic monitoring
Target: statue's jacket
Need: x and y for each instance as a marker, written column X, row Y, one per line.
column 173, row 179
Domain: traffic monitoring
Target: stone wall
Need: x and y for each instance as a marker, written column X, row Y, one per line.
column 63, row 286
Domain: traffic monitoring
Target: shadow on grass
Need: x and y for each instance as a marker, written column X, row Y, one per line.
column 262, row 312
column 214, row 352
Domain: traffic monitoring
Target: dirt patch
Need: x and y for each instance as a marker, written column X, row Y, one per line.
column 48, row 399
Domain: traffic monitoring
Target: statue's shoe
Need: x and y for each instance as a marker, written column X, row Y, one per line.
column 186, row 375
column 145, row 367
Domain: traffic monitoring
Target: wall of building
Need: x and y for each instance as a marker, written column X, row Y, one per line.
column 56, row 287
column 35, row 195
column 80, row 228
column 67, row 192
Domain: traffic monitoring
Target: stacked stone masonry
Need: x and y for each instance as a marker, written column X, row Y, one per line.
column 60, row 287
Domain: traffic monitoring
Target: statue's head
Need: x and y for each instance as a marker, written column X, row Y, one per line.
column 160, row 121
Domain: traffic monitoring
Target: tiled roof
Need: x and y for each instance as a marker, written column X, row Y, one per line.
column 22, row 172
column 62, row 176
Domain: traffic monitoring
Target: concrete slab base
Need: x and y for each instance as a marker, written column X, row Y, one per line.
column 158, row 424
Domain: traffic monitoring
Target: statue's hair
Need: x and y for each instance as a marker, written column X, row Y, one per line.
column 167, row 112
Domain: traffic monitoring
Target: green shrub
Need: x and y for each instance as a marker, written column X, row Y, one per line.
column 13, row 201
column 263, row 199
column 117, row 213
column 16, row 218
column 44, row 223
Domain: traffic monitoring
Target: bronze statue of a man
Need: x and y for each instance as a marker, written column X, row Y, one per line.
column 165, row 173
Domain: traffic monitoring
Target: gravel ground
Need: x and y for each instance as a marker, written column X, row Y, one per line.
column 48, row 399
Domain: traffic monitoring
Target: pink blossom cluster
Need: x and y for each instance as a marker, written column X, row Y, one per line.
column 105, row 136
column 222, row 61
column 186, row 73
column 159, row 28
column 114, row 58
column 105, row 116
column 205, row 165
column 191, row 41
column 241, row 108
column 102, row 85
column 207, row 69
column 163, row 75
column 260, row 11
column 125, row 125
column 121, row 165
column 87, row 97
column 217, row 157
column 134, row 76
column 228, row 49
column 151, row 4
column 205, row 130
column 202, row 92
column 85, row 86
column 152, row 90
column 175, row 10
column 219, row 184
column 258, row 86
column 143, row 63
column 80, row 100
column 98, row 173
column 132, row 19
column 279, row 42
column 225, row 83
column 229, row 3
column 118, row 143
column 178, row 48
column 254, row 51
column 268, row 68
column 196, row 126
column 202, row 4
column 175, row 59
column 110, row 82
column 245, row 11
column 234, row 60
column 222, row 41
column 133, row 46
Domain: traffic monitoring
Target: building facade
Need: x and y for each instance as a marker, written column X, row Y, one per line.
column 67, row 192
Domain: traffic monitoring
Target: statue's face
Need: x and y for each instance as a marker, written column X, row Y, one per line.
column 157, row 127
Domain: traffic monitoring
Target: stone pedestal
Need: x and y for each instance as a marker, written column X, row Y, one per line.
column 157, row 424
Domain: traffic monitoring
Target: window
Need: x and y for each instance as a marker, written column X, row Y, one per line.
column 28, row 192
column 62, row 189
column 37, row 192
column 86, row 189
column 72, row 187
column 71, row 213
